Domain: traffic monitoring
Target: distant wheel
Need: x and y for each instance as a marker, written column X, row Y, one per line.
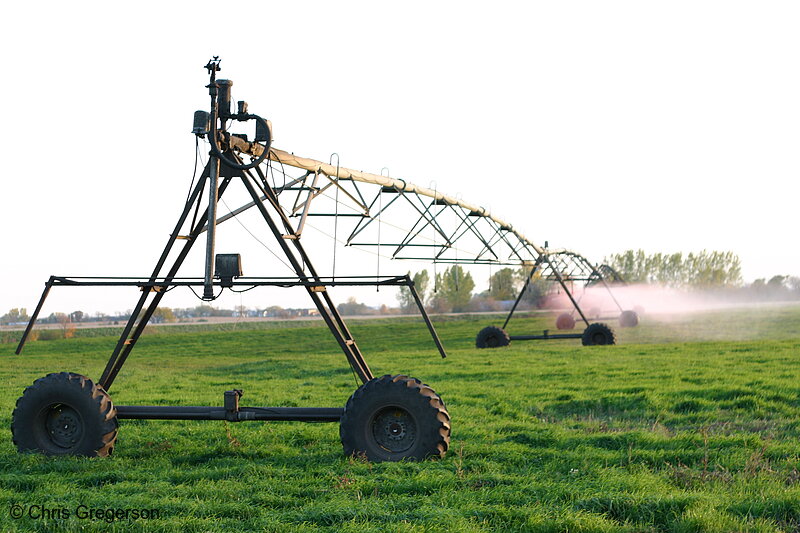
column 65, row 414
column 598, row 334
column 492, row 337
column 392, row 418
column 565, row 321
column 628, row 319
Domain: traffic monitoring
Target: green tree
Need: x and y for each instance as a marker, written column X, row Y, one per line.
column 537, row 290
column 503, row 284
column 631, row 265
column 794, row 283
column 67, row 329
column 406, row 299
column 160, row 315
column 165, row 314
column 15, row 315
column 712, row 269
column 203, row 310
column 778, row 282
column 351, row 307
column 276, row 311
column 454, row 290
column 704, row 269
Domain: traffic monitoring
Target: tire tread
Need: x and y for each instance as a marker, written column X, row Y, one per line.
column 105, row 407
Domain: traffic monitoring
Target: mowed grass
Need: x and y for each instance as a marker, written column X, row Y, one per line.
column 654, row 434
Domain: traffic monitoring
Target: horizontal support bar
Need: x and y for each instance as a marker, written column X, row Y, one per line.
column 546, row 336
column 395, row 244
column 166, row 412
column 246, row 278
column 333, row 215
column 459, row 261
column 353, row 281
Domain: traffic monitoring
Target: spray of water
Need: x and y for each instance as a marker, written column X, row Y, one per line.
column 679, row 315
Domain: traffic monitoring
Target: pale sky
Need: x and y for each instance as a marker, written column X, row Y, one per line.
column 598, row 126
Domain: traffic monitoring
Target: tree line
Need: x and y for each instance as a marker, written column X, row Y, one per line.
column 693, row 270
column 452, row 290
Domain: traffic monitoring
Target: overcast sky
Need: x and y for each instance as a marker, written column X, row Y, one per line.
column 599, row 126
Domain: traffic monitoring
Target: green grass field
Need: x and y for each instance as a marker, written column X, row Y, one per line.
column 687, row 425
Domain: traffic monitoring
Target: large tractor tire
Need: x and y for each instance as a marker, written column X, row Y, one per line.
column 565, row 321
column 392, row 418
column 65, row 414
column 492, row 337
column 598, row 334
column 628, row 319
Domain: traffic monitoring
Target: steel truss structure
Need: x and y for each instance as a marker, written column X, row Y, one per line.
column 436, row 227
column 58, row 414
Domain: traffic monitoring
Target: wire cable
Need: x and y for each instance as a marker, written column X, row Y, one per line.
column 391, row 225
column 244, row 290
column 364, row 250
column 200, row 297
column 194, row 172
column 235, row 217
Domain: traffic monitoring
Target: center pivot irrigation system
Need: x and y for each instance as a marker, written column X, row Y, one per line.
column 387, row 418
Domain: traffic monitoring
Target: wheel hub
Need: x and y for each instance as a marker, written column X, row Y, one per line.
column 394, row 429
column 64, row 426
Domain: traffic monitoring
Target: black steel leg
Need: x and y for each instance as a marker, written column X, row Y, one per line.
column 328, row 312
column 32, row 321
column 125, row 343
column 522, row 292
column 425, row 316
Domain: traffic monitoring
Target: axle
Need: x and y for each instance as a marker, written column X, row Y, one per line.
column 230, row 412
column 166, row 412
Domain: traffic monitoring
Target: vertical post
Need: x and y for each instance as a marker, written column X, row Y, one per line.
column 522, row 292
column 208, row 289
column 519, row 298
column 561, row 282
column 35, row 315
column 436, row 340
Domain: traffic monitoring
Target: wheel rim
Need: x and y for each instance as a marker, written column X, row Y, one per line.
column 394, row 429
column 64, row 425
